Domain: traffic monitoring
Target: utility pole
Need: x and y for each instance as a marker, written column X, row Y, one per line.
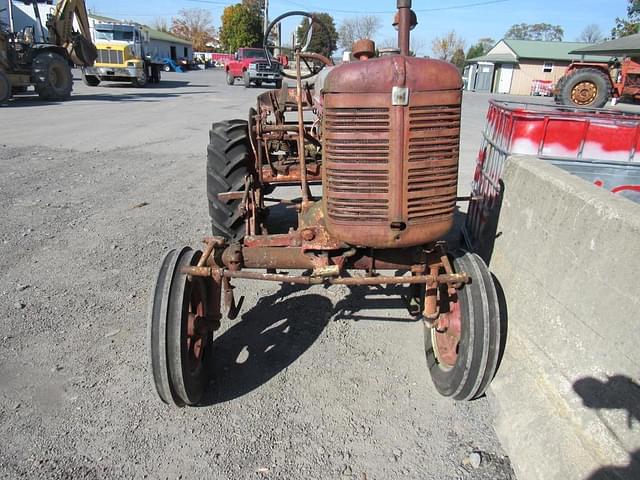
column 266, row 16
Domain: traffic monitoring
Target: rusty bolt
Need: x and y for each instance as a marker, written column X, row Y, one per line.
column 308, row 234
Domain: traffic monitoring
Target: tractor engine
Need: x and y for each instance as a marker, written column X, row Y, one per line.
column 391, row 133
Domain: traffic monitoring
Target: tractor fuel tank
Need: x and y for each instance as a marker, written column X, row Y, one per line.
column 391, row 134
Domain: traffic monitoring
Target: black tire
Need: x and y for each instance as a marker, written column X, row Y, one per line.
column 230, row 79
column 90, row 80
column 278, row 84
column 52, row 76
column 258, row 83
column 596, row 95
column 179, row 374
column 228, row 160
column 479, row 343
column 246, row 79
column 142, row 81
column 5, row 88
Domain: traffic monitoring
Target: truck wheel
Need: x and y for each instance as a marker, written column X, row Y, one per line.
column 462, row 357
column 247, row 79
column 52, row 76
column 5, row 87
column 278, row 84
column 230, row 79
column 90, row 80
column 228, row 156
column 585, row 87
column 142, row 80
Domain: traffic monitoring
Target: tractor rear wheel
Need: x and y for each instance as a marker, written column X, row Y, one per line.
column 228, row 156
column 52, row 75
column 585, row 87
column 462, row 350
column 5, row 88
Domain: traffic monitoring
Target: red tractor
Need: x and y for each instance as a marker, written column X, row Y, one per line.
column 381, row 135
column 594, row 84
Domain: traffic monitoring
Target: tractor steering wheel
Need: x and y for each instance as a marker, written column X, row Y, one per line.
column 314, row 62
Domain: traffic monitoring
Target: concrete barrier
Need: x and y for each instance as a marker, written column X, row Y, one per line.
column 567, row 256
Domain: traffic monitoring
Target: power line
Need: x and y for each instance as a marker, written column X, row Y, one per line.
column 422, row 10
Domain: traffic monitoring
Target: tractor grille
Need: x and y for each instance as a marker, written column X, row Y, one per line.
column 110, row 56
column 357, row 168
column 432, row 155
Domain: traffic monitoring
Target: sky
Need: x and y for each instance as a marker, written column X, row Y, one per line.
column 435, row 17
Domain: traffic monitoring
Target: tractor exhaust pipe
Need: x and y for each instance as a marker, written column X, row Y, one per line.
column 404, row 26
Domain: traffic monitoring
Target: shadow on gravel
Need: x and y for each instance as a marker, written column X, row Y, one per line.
column 34, row 101
column 269, row 338
column 618, row 392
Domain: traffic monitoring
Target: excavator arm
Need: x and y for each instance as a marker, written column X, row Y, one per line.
column 81, row 49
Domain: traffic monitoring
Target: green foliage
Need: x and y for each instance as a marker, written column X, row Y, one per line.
column 458, row 58
column 630, row 25
column 241, row 27
column 324, row 39
column 481, row 47
column 537, row 31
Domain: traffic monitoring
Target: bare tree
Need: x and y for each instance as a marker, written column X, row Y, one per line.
column 194, row 24
column 591, row 34
column 161, row 24
column 446, row 46
column 357, row 28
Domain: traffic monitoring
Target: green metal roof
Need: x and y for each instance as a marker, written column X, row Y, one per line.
column 538, row 50
column 153, row 34
column 621, row 46
column 495, row 58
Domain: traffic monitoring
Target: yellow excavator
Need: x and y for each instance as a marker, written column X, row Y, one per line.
column 44, row 58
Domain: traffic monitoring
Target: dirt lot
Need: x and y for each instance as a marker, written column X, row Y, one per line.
column 306, row 384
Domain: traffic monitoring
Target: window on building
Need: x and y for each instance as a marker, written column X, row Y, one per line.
column 547, row 67
column 186, row 52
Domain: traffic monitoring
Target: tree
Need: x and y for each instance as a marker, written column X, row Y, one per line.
column 324, row 38
column 240, row 28
column 358, row 28
column 630, row 25
column 591, row 34
column 458, row 58
column 481, row 47
column 537, row 31
column 161, row 24
column 194, row 24
column 446, row 46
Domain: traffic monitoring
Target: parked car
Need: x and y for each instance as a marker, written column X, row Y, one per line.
column 252, row 66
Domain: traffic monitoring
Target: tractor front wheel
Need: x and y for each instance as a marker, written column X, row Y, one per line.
column 462, row 349
column 584, row 87
column 181, row 321
column 52, row 76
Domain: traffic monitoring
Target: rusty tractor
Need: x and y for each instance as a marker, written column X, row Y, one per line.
column 594, row 84
column 381, row 135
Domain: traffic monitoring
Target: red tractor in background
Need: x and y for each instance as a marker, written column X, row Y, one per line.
column 593, row 84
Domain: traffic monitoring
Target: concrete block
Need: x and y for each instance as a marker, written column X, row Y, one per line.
column 567, row 256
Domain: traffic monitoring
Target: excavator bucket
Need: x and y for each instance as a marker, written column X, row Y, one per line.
column 82, row 52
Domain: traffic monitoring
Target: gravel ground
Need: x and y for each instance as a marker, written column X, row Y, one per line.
column 307, row 383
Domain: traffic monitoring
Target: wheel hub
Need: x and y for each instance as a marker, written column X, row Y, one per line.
column 446, row 336
column 584, row 93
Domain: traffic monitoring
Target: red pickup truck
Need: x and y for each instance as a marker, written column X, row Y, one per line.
column 252, row 66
